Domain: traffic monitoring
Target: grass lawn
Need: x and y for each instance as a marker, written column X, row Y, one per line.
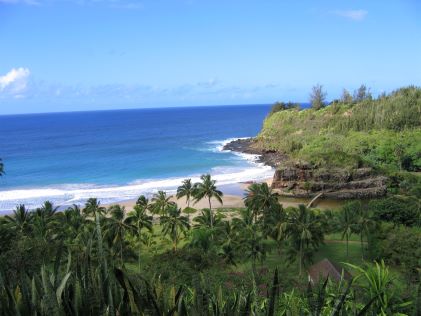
column 336, row 251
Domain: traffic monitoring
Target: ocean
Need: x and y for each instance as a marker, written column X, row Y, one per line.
column 118, row 155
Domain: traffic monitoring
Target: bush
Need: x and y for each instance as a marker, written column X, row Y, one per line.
column 398, row 246
column 404, row 210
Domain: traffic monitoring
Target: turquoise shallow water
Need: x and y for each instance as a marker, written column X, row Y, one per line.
column 117, row 155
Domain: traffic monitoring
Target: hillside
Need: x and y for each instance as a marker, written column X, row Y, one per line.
column 384, row 133
column 344, row 150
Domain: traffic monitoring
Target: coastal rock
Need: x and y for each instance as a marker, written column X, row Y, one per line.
column 249, row 146
column 359, row 183
column 301, row 179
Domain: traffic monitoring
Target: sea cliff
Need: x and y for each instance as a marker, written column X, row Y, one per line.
column 345, row 150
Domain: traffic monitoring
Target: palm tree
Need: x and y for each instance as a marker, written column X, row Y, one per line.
column 364, row 224
column 74, row 221
column 304, row 229
column 228, row 236
column 186, row 189
column 116, row 228
column 160, row 203
column 260, row 198
column 207, row 219
column 207, row 189
column 250, row 237
column 43, row 219
column 275, row 224
column 348, row 222
column 143, row 202
column 138, row 219
column 174, row 224
column 93, row 208
column 20, row 220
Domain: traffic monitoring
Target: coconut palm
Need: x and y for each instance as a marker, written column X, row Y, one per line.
column 20, row 219
column 207, row 189
column 160, row 203
column 174, row 225
column 304, row 230
column 143, row 202
column 207, row 219
column 364, row 224
column 347, row 223
column 186, row 190
column 260, row 198
column 43, row 219
column 94, row 209
column 138, row 219
column 116, row 228
column 73, row 222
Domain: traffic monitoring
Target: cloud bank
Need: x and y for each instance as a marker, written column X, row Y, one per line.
column 14, row 82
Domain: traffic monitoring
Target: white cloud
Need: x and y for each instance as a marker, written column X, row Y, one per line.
column 355, row 15
column 15, row 81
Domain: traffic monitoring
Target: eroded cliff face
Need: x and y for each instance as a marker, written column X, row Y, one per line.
column 302, row 180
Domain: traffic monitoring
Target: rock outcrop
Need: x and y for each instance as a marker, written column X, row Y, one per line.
column 303, row 180
column 249, row 146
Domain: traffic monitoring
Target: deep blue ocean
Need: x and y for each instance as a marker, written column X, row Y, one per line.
column 117, row 155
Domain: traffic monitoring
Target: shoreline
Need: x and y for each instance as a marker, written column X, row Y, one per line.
column 236, row 200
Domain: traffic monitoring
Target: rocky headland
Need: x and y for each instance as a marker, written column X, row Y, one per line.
column 300, row 179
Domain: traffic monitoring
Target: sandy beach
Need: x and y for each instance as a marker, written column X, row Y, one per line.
column 228, row 200
column 234, row 201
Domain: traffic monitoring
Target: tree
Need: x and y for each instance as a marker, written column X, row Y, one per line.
column 348, row 222
column 185, row 190
column 207, row 219
column 20, row 220
column 74, row 221
column 160, row 203
column 1, row 168
column 142, row 202
column 138, row 219
column 282, row 106
column 346, row 97
column 251, row 240
column 260, row 198
column 305, row 232
column 364, row 224
column 116, row 228
column 362, row 93
column 207, row 189
column 43, row 219
column 317, row 97
column 174, row 225
column 93, row 208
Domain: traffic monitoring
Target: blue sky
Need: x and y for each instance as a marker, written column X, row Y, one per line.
column 72, row 55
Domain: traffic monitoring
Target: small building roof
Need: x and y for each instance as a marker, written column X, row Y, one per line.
column 326, row 268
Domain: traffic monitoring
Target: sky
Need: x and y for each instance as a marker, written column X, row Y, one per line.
column 76, row 55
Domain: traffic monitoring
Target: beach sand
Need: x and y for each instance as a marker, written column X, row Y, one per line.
column 236, row 200
column 228, row 201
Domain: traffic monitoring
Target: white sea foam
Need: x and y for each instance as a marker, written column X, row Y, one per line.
column 79, row 193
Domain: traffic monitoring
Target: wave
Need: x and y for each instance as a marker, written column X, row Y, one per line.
column 68, row 194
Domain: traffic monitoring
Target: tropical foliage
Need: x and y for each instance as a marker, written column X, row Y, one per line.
column 383, row 133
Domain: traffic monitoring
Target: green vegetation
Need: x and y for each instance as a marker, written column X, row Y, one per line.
column 159, row 259
column 251, row 261
column 383, row 133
